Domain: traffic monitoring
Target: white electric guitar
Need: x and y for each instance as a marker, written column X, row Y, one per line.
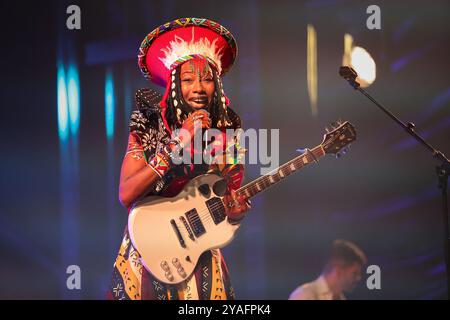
column 171, row 233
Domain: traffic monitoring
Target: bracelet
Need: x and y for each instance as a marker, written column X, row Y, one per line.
column 159, row 164
column 137, row 154
column 154, row 169
column 163, row 154
column 173, row 154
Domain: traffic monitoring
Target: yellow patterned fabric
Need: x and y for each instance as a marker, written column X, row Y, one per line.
column 131, row 281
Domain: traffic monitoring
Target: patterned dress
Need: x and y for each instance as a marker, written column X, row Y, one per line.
column 130, row 280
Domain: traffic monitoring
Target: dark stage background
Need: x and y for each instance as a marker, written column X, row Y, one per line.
column 59, row 203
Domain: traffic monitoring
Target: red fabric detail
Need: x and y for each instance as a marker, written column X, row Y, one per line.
column 163, row 102
column 227, row 101
column 163, row 105
column 235, row 179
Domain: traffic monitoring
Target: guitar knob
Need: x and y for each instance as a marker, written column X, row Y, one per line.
column 176, row 262
column 181, row 272
column 169, row 276
column 220, row 188
column 165, row 266
column 204, row 190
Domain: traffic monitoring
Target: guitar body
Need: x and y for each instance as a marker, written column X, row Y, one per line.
column 170, row 234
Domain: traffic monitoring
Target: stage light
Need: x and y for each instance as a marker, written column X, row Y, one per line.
column 63, row 111
column 312, row 68
column 364, row 65
column 109, row 104
column 360, row 60
column 73, row 92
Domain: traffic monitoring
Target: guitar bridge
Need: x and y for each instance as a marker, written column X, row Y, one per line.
column 178, row 233
column 191, row 234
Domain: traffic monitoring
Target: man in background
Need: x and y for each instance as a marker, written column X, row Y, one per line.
column 341, row 274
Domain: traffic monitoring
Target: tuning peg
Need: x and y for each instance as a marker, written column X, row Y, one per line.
column 330, row 127
column 337, row 124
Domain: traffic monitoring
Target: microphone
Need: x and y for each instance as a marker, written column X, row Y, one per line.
column 350, row 75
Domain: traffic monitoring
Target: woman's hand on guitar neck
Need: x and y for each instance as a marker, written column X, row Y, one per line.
column 235, row 206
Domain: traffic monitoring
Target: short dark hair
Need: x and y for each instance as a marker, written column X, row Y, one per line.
column 345, row 253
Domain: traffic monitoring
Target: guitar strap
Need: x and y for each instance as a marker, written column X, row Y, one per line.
column 190, row 291
column 217, row 289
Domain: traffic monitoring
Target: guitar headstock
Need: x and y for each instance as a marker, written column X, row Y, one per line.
column 338, row 138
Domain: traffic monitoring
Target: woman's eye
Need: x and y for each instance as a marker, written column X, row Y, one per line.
column 186, row 80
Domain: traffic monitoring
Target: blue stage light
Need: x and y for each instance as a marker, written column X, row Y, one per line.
column 63, row 110
column 73, row 92
column 109, row 104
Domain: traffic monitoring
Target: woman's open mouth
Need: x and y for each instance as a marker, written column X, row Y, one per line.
column 199, row 102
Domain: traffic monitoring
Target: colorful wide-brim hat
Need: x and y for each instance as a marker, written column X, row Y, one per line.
column 183, row 39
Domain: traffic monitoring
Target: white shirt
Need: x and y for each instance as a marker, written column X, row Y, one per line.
column 316, row 290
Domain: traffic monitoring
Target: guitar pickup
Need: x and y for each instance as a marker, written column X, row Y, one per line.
column 216, row 209
column 195, row 223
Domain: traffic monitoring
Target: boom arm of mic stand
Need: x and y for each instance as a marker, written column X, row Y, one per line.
column 442, row 171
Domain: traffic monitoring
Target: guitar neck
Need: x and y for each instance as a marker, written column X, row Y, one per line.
column 262, row 183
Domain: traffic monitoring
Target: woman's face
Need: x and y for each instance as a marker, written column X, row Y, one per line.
column 197, row 83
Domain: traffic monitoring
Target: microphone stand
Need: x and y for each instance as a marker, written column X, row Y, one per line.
column 442, row 170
